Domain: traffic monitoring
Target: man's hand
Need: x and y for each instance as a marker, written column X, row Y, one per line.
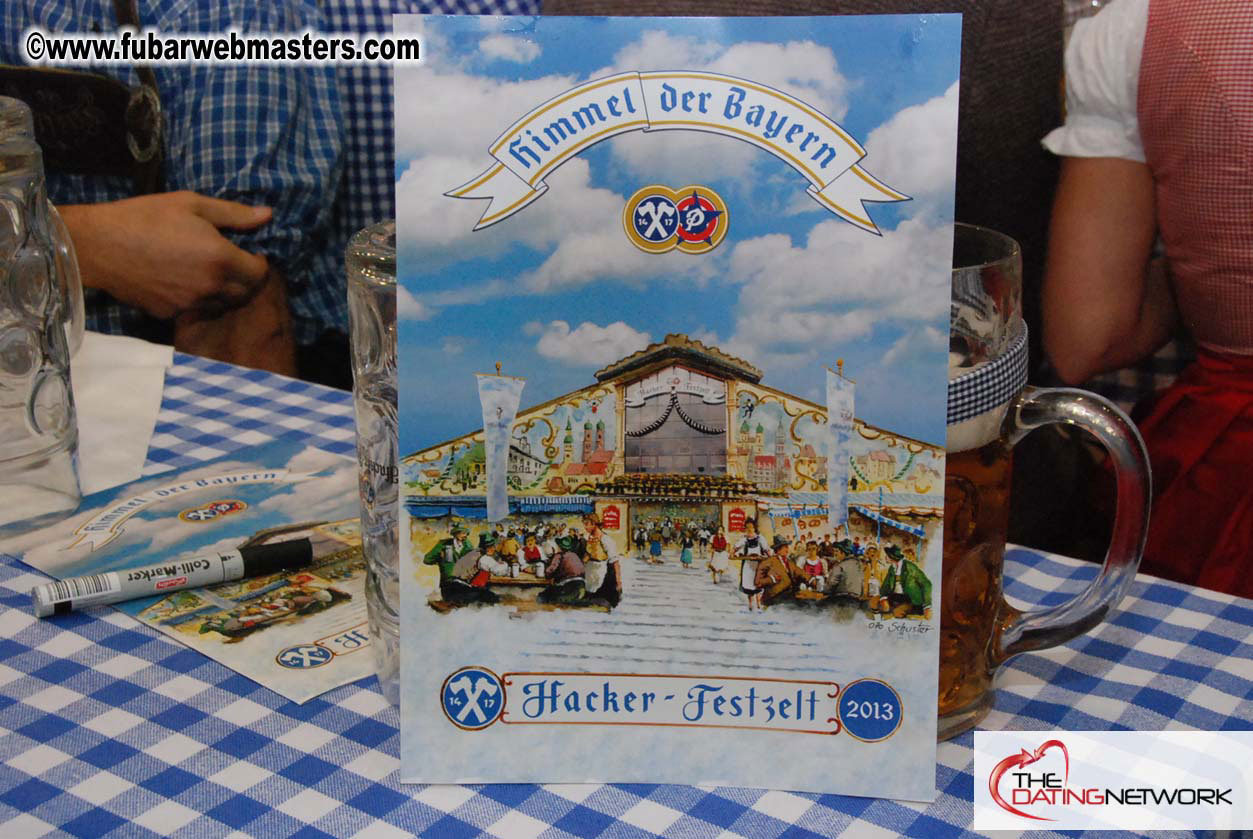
column 165, row 253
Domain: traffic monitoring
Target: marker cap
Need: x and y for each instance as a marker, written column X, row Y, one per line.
column 260, row 560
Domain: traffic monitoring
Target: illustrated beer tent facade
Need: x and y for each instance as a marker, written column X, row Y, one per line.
column 681, row 425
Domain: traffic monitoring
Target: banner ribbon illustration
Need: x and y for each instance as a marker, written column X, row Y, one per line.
column 110, row 523
column 793, row 131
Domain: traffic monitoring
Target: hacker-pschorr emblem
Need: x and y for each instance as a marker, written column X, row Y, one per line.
column 472, row 698
column 658, row 219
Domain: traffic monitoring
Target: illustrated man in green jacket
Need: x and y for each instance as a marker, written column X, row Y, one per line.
column 458, row 564
column 905, row 586
column 446, row 552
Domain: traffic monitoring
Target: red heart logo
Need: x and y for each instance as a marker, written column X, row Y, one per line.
column 1024, row 758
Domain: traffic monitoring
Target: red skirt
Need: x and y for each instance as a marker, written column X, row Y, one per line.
column 1199, row 433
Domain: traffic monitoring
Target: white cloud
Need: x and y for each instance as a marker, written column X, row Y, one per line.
column 431, row 37
column 604, row 253
column 455, row 345
column 840, row 264
column 803, row 69
column 576, row 222
column 437, row 226
column 708, row 337
column 509, row 48
column 425, row 214
column 439, row 231
column 312, row 459
column 920, row 341
column 409, row 307
column 323, row 498
column 589, row 344
column 795, row 301
column 462, row 113
column 679, row 158
column 916, row 151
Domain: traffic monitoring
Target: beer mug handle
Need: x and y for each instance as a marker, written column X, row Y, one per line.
column 1040, row 628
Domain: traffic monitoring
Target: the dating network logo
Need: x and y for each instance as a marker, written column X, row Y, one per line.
column 1032, row 780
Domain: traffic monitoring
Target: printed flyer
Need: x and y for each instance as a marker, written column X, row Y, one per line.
column 673, row 342
column 299, row 633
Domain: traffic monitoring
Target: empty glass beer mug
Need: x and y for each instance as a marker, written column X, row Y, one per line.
column 41, row 314
column 371, row 264
column 990, row 408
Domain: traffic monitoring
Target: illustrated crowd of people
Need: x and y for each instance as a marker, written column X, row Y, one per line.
column 283, row 603
column 578, row 565
column 694, row 538
column 885, row 580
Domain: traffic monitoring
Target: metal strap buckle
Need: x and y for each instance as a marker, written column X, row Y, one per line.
column 143, row 124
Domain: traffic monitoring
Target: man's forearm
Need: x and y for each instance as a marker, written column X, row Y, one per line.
column 95, row 261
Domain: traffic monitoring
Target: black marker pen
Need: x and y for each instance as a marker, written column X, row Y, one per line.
column 65, row 596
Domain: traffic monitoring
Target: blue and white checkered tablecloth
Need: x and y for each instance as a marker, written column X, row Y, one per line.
column 109, row 730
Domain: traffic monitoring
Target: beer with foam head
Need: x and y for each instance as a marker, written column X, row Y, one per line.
column 990, row 408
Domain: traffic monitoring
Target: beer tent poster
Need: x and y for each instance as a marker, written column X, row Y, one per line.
column 660, row 283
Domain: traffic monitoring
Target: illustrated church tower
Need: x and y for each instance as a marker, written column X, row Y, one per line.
column 780, row 470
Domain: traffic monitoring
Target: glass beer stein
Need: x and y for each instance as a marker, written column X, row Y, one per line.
column 990, row 408
column 371, row 264
column 41, row 319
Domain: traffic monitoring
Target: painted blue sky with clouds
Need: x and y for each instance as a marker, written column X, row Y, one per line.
column 557, row 291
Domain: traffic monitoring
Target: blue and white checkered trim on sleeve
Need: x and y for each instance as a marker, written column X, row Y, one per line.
column 989, row 386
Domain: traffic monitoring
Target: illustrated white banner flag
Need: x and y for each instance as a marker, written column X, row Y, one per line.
column 499, row 397
column 792, row 130
column 840, row 425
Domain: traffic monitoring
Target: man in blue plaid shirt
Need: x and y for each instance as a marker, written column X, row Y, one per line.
column 256, row 148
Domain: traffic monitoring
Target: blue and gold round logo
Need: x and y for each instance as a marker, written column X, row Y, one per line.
column 472, row 698
column 213, row 510
column 658, row 219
